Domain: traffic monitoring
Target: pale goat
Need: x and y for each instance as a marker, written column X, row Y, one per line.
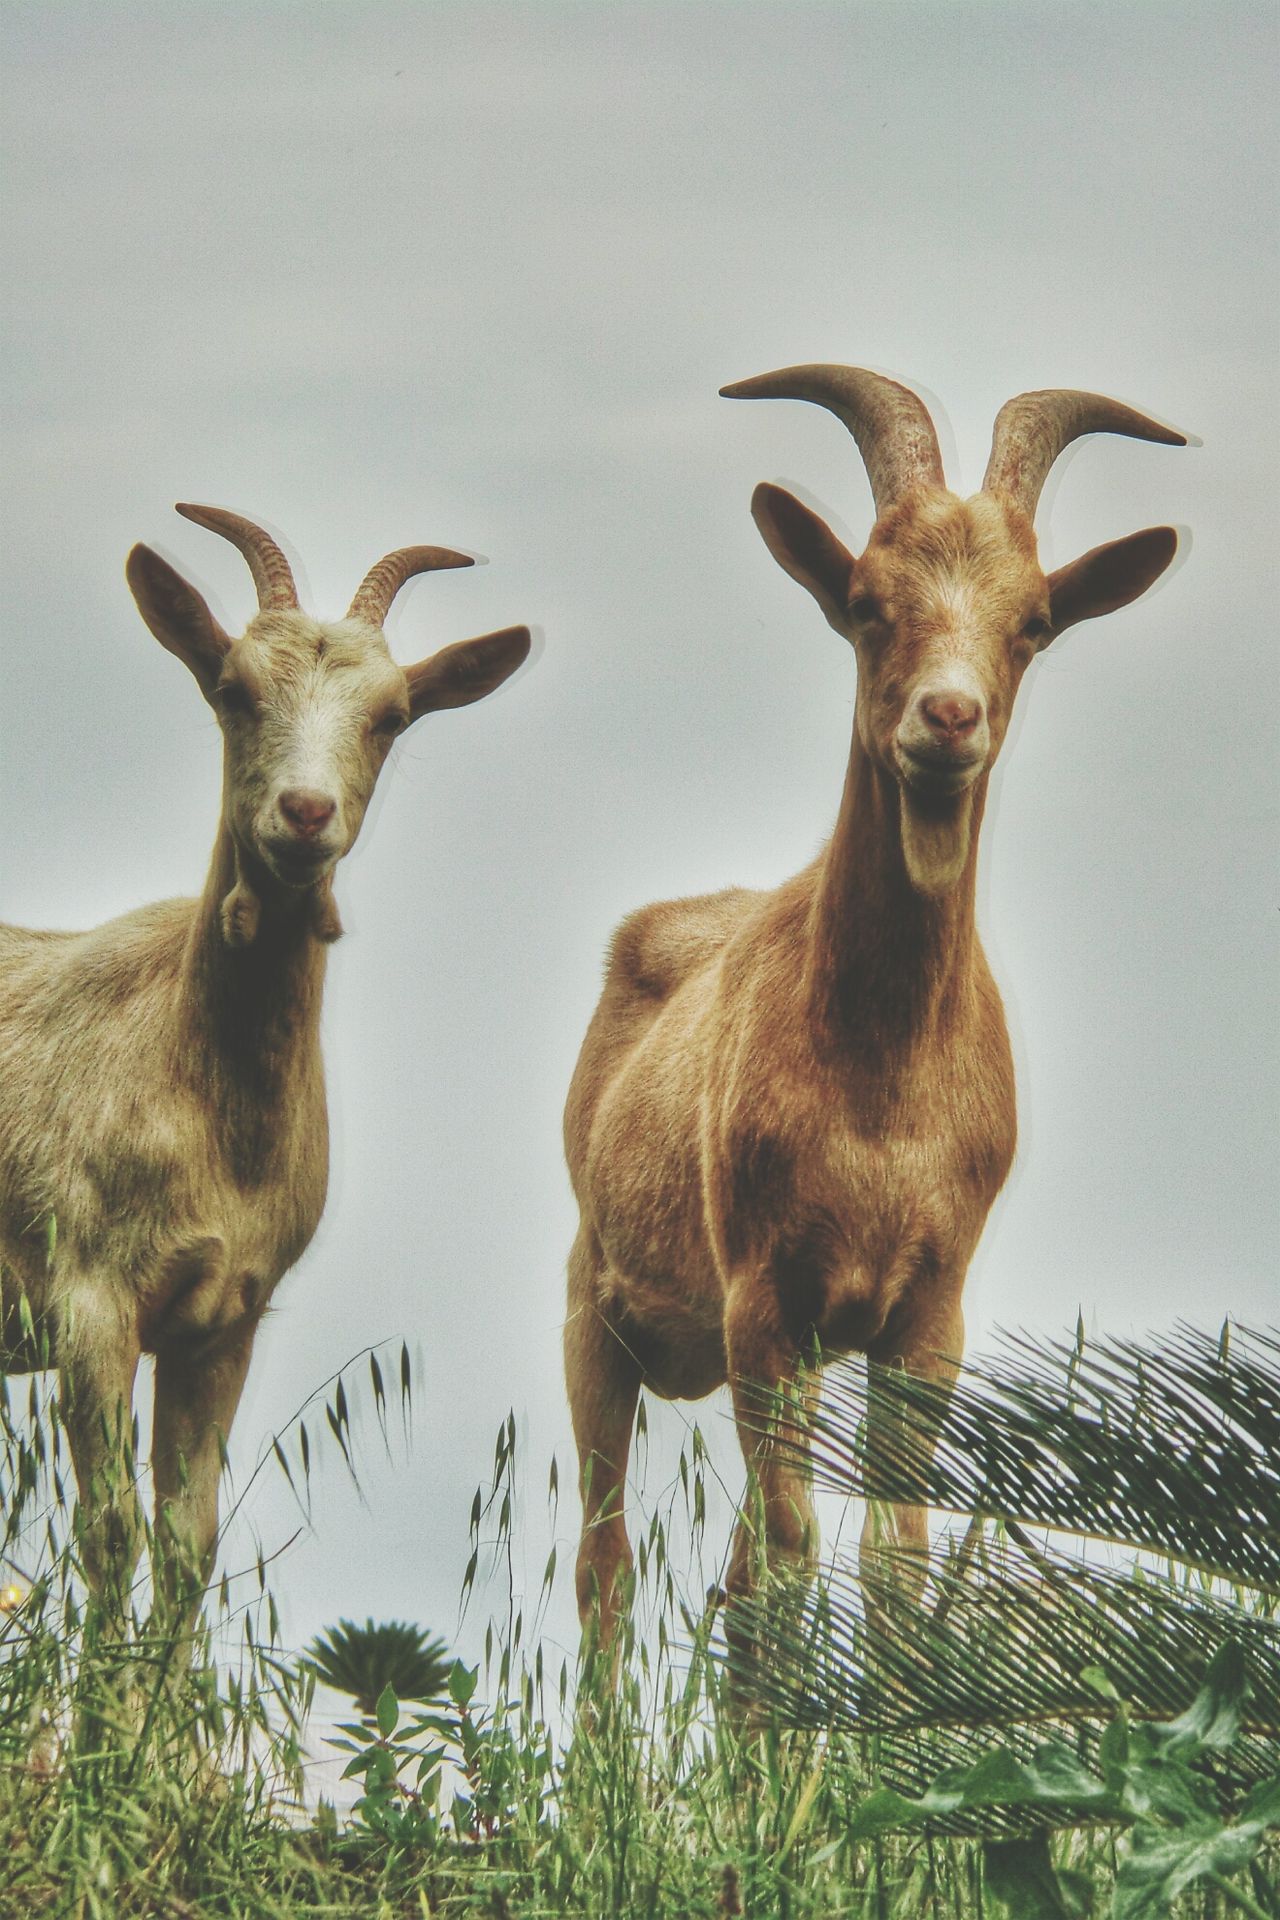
column 163, row 1128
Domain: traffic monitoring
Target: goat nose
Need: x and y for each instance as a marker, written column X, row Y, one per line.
column 306, row 811
column 951, row 716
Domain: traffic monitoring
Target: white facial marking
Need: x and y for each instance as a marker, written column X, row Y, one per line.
column 320, row 728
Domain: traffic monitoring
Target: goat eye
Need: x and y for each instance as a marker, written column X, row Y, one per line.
column 865, row 607
column 1035, row 629
column 390, row 725
column 233, row 698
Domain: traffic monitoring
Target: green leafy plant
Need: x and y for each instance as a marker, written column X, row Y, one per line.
column 399, row 1774
column 1149, row 1779
column 404, row 1764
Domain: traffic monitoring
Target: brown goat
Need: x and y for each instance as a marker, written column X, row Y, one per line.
column 163, row 1128
column 793, row 1109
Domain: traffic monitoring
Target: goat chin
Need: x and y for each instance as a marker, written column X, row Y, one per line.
column 935, row 839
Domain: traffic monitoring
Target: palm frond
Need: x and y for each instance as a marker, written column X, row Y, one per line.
column 1171, row 1447
column 1019, row 1636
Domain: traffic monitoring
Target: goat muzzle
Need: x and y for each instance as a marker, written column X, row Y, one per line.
column 942, row 742
column 951, row 717
column 307, row 812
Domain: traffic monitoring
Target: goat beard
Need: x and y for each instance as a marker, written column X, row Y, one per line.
column 935, row 839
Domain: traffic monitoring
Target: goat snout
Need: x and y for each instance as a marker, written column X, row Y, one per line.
column 951, row 717
column 943, row 739
column 307, row 812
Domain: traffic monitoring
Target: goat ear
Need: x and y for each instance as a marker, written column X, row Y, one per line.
column 805, row 547
column 466, row 671
column 177, row 615
column 1109, row 577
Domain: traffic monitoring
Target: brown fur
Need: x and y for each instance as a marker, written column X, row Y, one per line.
column 163, row 1131
column 793, row 1110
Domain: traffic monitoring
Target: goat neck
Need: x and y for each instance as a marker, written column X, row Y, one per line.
column 253, row 1010
column 889, row 966
column 250, row 1016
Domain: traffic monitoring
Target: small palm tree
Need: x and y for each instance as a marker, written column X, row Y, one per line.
column 362, row 1661
column 1165, row 1457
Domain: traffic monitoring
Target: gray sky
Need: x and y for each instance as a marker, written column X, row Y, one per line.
column 472, row 275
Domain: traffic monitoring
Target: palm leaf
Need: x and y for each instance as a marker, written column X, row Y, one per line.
column 1171, row 1449
column 363, row 1661
column 1020, row 1631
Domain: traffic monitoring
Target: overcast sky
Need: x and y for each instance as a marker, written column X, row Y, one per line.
column 472, row 275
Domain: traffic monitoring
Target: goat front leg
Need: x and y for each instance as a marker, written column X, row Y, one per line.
column 98, row 1352
column 603, row 1379
column 777, row 1531
column 198, row 1387
column 894, row 1552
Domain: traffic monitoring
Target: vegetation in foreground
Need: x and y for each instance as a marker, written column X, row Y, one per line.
column 1054, row 1736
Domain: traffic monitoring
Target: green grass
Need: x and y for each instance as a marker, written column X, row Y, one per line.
column 123, row 1799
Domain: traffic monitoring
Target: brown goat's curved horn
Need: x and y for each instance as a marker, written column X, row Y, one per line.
column 272, row 574
column 891, row 425
column 382, row 583
column 1032, row 429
